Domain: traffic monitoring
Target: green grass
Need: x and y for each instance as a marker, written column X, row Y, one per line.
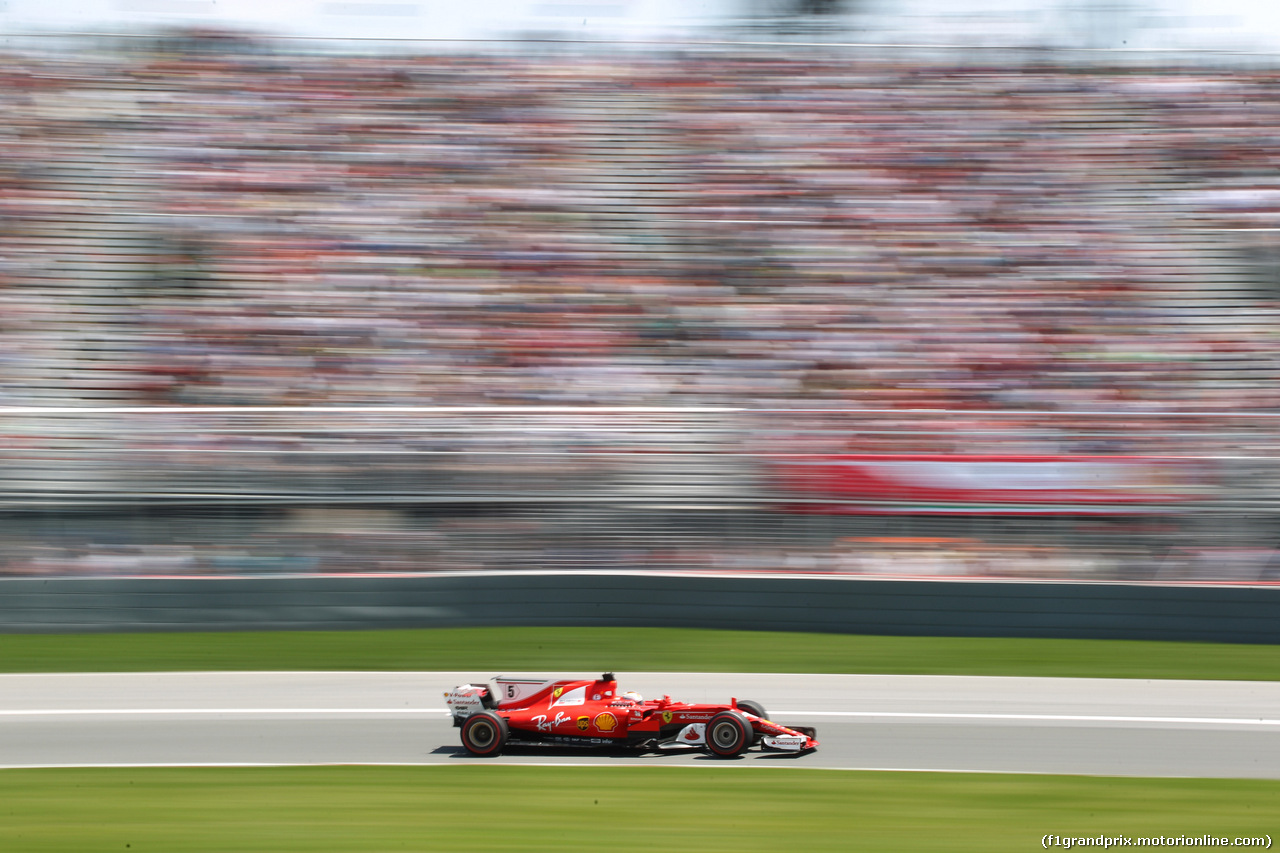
column 497, row 808
column 494, row 650
column 487, row 807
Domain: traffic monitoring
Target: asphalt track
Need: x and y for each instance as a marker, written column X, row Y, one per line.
column 1107, row 727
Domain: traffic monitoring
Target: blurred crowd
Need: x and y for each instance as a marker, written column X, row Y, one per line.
column 642, row 228
column 1024, row 244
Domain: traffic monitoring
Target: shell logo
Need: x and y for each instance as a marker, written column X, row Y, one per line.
column 606, row 722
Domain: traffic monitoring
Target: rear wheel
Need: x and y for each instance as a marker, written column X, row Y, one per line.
column 729, row 734
column 484, row 733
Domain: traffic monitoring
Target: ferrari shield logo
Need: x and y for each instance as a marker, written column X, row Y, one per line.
column 555, row 694
column 666, row 716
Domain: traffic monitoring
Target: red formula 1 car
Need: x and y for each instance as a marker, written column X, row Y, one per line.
column 595, row 713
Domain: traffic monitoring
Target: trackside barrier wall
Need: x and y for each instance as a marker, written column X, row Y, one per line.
column 1242, row 614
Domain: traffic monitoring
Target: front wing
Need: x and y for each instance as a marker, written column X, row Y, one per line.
column 770, row 735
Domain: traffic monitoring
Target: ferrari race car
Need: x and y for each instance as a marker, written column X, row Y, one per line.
column 595, row 713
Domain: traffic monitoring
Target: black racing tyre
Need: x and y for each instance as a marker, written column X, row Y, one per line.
column 729, row 734
column 753, row 708
column 484, row 733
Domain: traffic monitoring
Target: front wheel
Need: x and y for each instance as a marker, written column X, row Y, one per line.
column 753, row 708
column 484, row 733
column 729, row 734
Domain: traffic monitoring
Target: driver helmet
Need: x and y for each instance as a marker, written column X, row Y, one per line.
column 633, row 696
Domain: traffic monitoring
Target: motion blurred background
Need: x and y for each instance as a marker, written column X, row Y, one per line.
column 980, row 289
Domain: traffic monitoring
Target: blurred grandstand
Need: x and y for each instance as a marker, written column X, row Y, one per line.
column 279, row 306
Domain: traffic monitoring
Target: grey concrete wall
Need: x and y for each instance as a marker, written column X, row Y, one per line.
column 840, row 605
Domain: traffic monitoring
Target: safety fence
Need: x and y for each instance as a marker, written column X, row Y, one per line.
column 261, row 490
column 831, row 605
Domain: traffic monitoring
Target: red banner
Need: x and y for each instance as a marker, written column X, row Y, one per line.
column 865, row 481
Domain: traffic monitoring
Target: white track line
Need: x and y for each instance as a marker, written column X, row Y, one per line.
column 874, row 715
column 1052, row 718
column 764, row 767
